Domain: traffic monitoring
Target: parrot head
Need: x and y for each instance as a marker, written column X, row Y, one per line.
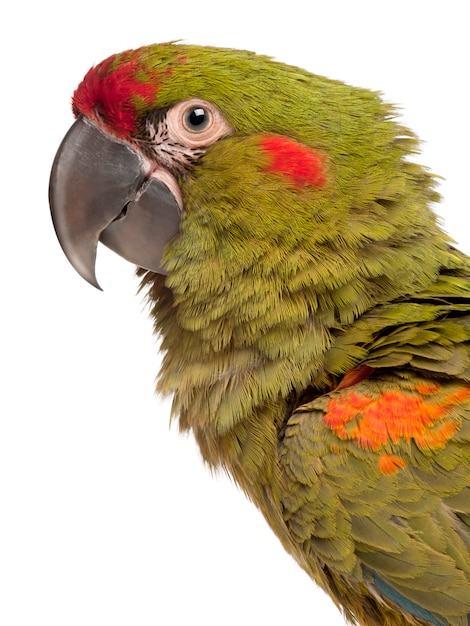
column 260, row 202
column 146, row 120
column 156, row 125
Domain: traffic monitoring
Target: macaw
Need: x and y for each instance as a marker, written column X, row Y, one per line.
column 315, row 318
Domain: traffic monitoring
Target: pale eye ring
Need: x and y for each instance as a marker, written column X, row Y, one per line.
column 197, row 118
column 195, row 123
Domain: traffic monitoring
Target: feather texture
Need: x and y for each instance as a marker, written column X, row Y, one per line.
column 315, row 319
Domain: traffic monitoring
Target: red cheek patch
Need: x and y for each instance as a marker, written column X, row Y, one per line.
column 300, row 164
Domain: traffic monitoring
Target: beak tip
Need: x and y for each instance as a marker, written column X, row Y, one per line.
column 89, row 276
column 96, row 284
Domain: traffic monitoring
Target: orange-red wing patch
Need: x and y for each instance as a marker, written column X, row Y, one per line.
column 390, row 464
column 354, row 376
column 373, row 421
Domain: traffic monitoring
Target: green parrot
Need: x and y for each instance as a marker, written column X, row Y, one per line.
column 315, row 319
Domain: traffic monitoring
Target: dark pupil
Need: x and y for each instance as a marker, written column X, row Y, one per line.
column 197, row 117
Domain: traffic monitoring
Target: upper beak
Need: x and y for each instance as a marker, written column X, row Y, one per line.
column 101, row 190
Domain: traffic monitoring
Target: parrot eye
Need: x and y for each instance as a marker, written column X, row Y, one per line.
column 197, row 119
column 196, row 123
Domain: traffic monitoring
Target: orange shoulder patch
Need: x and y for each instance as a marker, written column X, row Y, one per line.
column 390, row 464
column 373, row 421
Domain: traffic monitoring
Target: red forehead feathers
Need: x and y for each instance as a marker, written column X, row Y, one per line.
column 115, row 92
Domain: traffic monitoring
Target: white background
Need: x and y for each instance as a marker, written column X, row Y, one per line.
column 108, row 517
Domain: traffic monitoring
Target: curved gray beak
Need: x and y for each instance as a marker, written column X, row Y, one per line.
column 99, row 191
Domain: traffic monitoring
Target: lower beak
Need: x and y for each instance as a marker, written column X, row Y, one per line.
column 101, row 190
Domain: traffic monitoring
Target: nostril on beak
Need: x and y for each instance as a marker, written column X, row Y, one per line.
column 122, row 214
